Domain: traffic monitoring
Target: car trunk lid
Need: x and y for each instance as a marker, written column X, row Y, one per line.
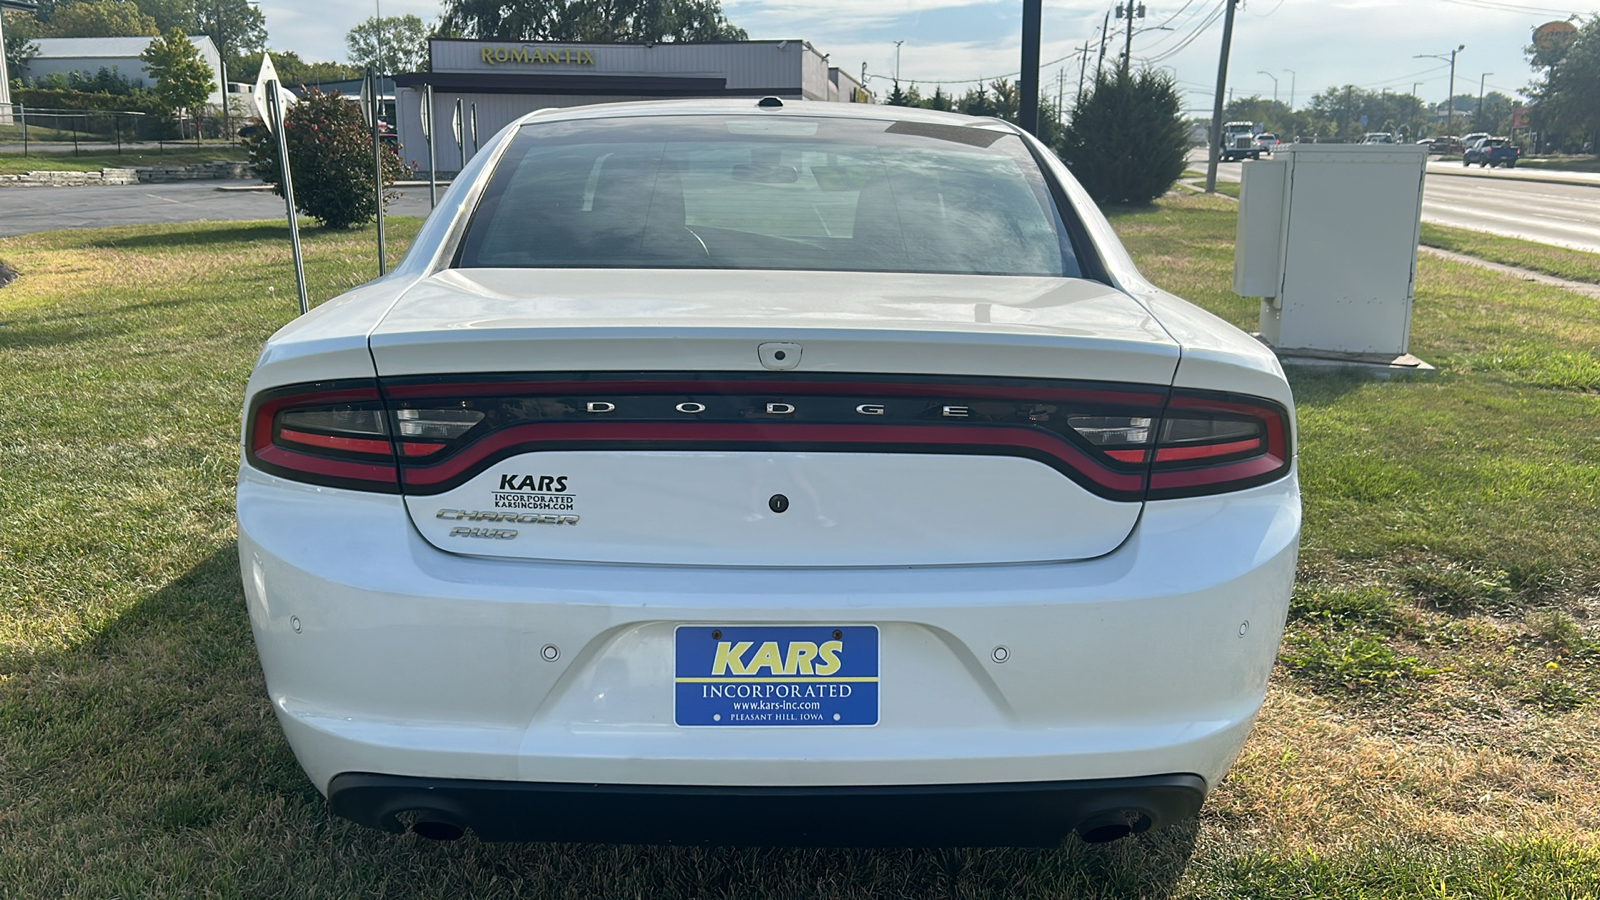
column 634, row 417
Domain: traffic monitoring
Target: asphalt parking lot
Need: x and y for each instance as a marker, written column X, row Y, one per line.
column 24, row 210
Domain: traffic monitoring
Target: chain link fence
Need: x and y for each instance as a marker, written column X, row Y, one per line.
column 26, row 128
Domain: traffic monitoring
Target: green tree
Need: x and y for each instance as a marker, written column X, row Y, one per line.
column 183, row 80
column 170, row 14
column 1126, row 141
column 98, row 18
column 292, row 70
column 1002, row 99
column 330, row 152
column 1566, row 101
column 403, row 39
column 20, row 28
column 603, row 21
column 234, row 26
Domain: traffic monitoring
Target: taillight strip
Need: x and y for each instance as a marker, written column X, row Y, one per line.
column 775, row 436
column 1205, row 451
column 369, row 476
column 335, row 442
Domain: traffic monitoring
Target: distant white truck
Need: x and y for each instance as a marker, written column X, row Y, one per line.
column 1239, row 141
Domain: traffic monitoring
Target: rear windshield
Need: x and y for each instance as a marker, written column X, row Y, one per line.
column 783, row 192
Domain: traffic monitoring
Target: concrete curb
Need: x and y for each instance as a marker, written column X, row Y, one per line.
column 1468, row 173
column 129, row 175
column 1577, row 287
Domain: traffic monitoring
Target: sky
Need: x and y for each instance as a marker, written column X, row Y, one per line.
column 1290, row 49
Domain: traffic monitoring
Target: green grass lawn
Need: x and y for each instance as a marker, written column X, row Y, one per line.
column 1431, row 730
column 1573, row 265
column 172, row 155
column 1562, row 163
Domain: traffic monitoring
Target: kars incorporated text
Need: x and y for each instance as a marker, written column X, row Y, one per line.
column 775, row 691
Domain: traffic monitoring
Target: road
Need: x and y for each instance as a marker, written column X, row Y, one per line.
column 1566, row 215
column 24, row 210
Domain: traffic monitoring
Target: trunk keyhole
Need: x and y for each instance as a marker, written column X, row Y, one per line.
column 778, row 503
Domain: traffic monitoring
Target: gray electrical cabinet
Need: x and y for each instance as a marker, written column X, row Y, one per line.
column 1327, row 237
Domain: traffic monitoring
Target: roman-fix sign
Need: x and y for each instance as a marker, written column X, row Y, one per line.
column 526, row 54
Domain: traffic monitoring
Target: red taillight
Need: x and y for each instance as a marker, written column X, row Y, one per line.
column 1213, row 442
column 331, row 433
column 1121, row 442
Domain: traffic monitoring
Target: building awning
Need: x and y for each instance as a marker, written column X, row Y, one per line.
column 607, row 85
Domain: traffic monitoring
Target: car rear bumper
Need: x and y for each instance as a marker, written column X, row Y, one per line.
column 385, row 655
column 1031, row 814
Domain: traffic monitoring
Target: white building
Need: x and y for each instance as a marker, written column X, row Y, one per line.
column 502, row 80
column 89, row 55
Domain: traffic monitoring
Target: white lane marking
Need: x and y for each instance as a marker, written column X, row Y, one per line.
column 1584, row 226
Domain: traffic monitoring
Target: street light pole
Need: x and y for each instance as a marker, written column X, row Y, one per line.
column 897, row 61
column 1416, row 107
column 1291, row 88
column 1450, row 103
column 1274, row 83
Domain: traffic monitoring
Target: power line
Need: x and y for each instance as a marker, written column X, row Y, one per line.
column 1172, row 33
column 1401, row 79
column 1190, row 38
column 985, row 79
column 1501, row 6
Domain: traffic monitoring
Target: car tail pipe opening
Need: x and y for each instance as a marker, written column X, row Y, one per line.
column 433, row 824
column 1114, row 824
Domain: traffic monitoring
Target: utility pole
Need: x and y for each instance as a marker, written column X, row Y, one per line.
column 1101, row 64
column 1127, row 44
column 1416, row 109
column 1028, row 103
column 1291, row 88
column 1479, row 116
column 1083, row 68
column 897, row 61
column 1216, row 101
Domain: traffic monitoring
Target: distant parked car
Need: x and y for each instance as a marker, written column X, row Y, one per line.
column 1447, row 144
column 1378, row 137
column 1473, row 138
column 1266, row 142
column 1491, row 152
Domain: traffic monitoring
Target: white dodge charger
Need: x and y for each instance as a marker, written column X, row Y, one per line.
column 766, row 472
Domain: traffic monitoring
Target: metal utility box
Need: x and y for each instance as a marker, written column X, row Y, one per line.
column 1327, row 237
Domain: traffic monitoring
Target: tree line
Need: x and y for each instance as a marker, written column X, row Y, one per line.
column 1346, row 113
